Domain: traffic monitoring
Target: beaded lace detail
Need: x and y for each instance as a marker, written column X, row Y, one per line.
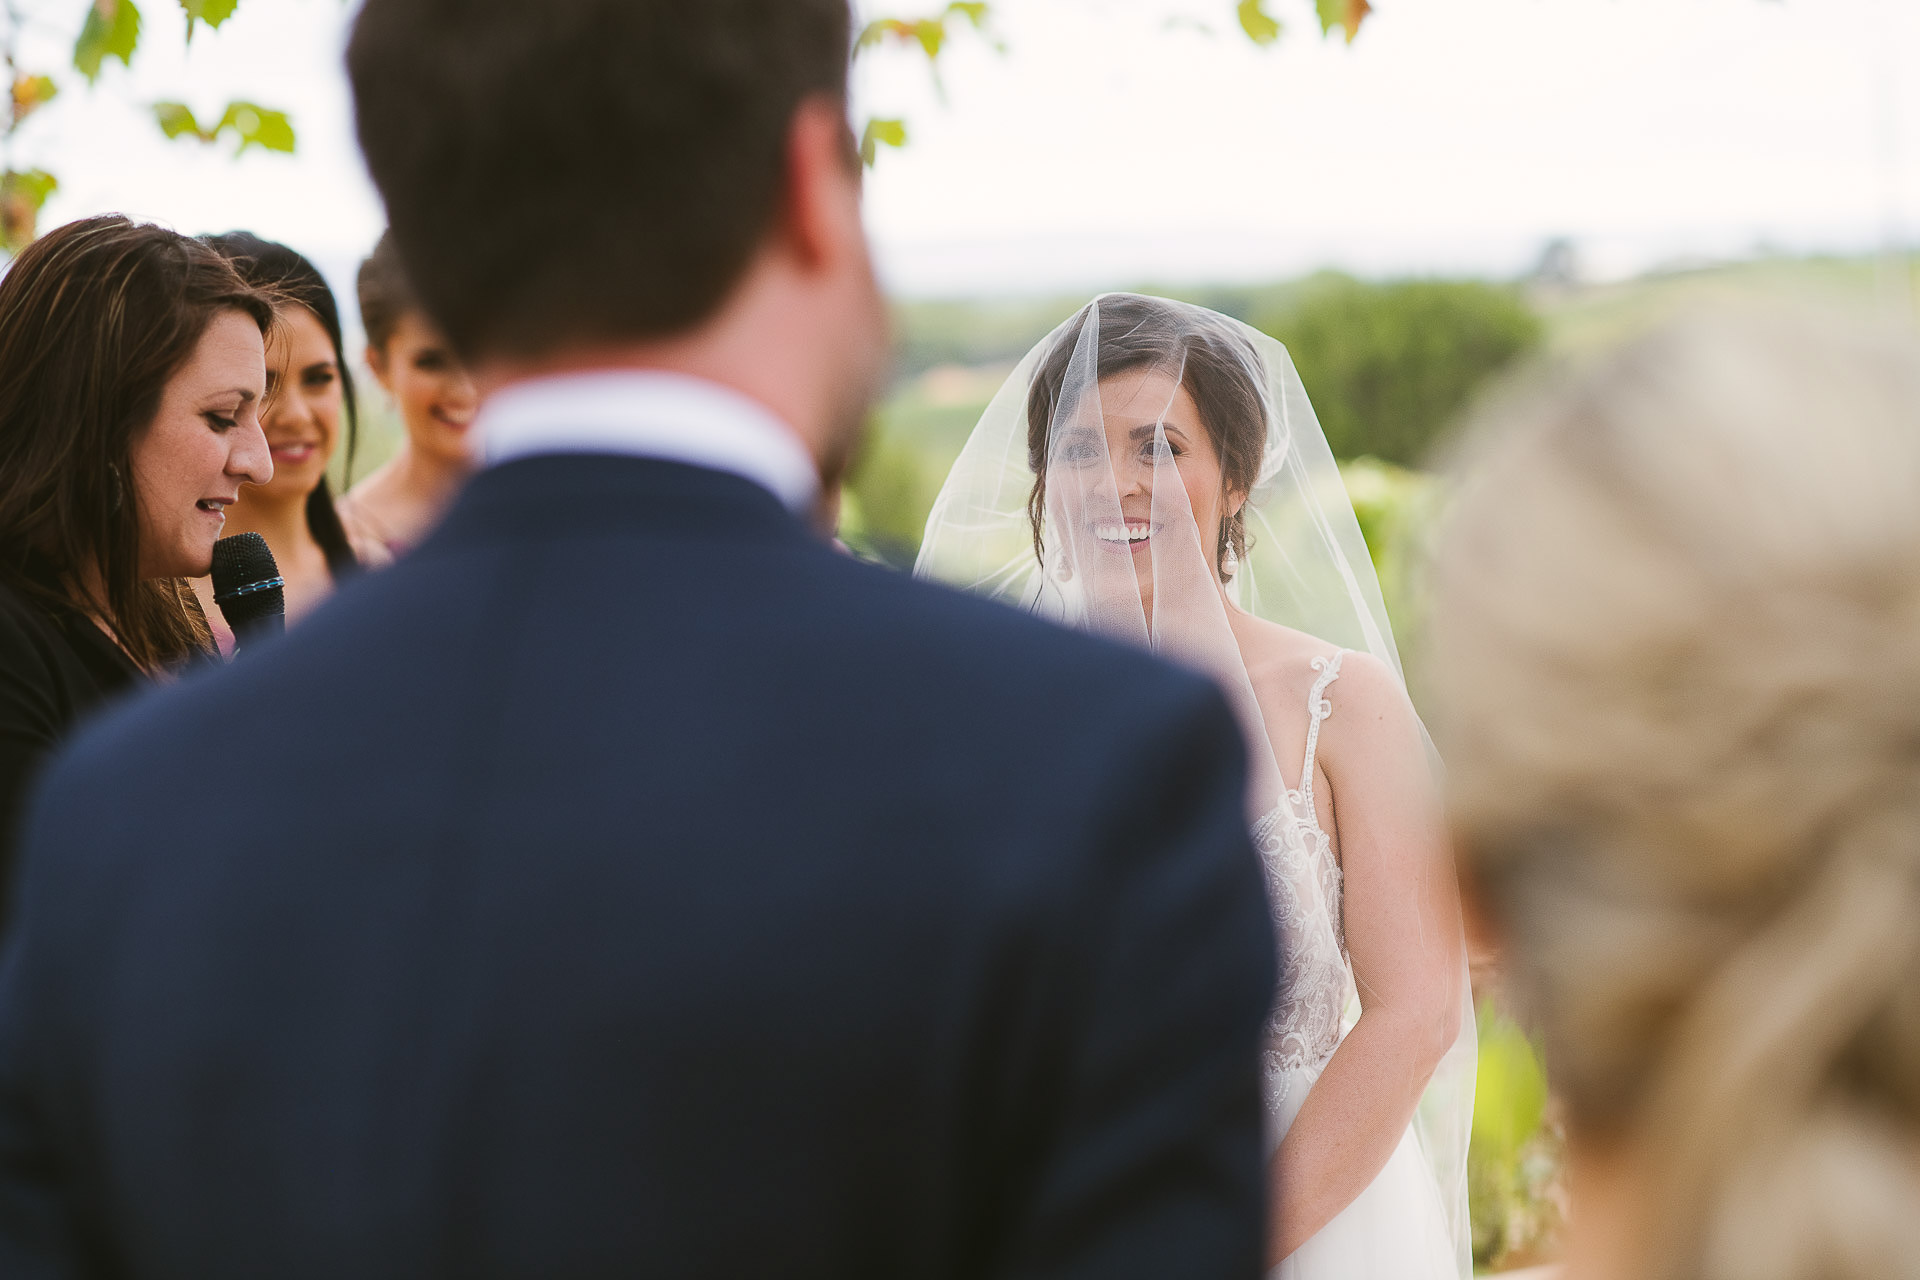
column 1303, row 880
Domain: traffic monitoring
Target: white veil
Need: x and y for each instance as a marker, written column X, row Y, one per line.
column 1117, row 379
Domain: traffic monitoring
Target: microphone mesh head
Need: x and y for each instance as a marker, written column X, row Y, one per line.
column 241, row 561
column 246, row 581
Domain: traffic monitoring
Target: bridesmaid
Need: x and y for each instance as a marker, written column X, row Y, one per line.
column 309, row 393
column 400, row 503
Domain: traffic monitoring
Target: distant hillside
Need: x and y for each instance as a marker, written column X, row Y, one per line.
column 932, row 334
column 1590, row 316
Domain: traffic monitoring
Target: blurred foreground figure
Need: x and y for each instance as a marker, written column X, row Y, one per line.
column 1676, row 653
column 674, row 896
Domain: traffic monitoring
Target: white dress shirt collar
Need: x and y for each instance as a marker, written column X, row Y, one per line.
column 650, row 414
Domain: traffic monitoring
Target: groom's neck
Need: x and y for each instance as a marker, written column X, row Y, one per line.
column 716, row 356
column 762, row 344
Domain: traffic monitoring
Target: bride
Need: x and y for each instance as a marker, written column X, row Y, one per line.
column 1154, row 471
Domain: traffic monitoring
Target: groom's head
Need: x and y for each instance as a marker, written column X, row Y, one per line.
column 573, row 181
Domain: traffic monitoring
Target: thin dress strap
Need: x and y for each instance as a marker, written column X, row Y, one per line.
column 1319, row 707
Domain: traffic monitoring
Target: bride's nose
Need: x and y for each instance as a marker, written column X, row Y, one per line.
column 1133, row 477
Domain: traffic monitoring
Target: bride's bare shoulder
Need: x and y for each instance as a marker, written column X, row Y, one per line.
column 1273, row 652
column 1280, row 664
column 1371, row 715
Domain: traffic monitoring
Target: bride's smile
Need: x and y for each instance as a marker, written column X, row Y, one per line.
column 1151, row 432
column 1128, row 533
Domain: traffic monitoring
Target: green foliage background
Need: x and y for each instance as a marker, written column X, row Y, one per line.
column 1389, row 365
column 106, row 31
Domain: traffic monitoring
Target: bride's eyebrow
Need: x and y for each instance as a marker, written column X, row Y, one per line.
column 1146, row 429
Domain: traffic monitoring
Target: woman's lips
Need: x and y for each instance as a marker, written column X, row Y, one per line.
column 293, row 454
column 451, row 421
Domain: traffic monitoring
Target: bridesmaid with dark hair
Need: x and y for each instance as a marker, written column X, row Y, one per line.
column 400, row 503
column 132, row 369
column 309, row 399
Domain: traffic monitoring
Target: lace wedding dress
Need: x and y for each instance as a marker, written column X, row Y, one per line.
column 1397, row 1229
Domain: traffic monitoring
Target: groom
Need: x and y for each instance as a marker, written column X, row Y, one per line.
column 626, row 884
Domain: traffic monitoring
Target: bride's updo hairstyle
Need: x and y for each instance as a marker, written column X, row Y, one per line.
column 1675, row 666
column 1217, row 367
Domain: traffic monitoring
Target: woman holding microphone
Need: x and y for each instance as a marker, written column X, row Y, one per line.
column 132, row 371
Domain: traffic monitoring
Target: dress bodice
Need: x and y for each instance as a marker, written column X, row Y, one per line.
column 1304, row 883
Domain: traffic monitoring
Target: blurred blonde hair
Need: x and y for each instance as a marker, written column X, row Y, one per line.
column 1675, row 669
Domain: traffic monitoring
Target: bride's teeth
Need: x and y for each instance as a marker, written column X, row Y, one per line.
column 1107, row 531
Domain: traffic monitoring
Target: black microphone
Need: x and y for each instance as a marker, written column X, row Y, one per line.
column 248, row 588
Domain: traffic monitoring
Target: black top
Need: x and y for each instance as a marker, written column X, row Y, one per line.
column 55, row 667
column 647, row 890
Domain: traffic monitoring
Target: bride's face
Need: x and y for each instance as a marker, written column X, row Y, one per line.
column 1153, row 429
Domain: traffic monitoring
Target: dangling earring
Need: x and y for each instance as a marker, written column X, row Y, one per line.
column 1229, row 563
column 119, row 487
column 1063, row 572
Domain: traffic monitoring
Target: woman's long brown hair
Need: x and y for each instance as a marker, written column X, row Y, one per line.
column 95, row 318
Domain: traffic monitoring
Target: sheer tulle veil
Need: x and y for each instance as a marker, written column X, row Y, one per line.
column 1297, row 557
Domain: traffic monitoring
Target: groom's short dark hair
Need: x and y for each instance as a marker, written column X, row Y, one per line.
column 568, row 172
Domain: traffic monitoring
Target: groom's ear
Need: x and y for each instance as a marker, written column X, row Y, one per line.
column 820, row 216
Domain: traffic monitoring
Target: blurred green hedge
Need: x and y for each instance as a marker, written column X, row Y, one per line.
column 1389, row 366
column 1516, row 1185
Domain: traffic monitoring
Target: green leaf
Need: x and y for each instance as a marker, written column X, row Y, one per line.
column 252, row 124
column 932, row 34
column 30, row 93
column 257, row 126
column 112, row 30
column 891, row 133
column 176, row 121
column 35, row 184
column 211, row 12
column 1347, row 15
column 22, row 193
column 1261, row 27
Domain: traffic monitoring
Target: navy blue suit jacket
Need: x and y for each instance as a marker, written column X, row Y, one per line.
column 626, row 884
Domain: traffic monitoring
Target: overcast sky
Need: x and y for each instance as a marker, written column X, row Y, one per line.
column 1108, row 147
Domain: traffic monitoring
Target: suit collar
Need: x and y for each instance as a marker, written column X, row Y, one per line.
column 650, row 414
column 583, row 492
